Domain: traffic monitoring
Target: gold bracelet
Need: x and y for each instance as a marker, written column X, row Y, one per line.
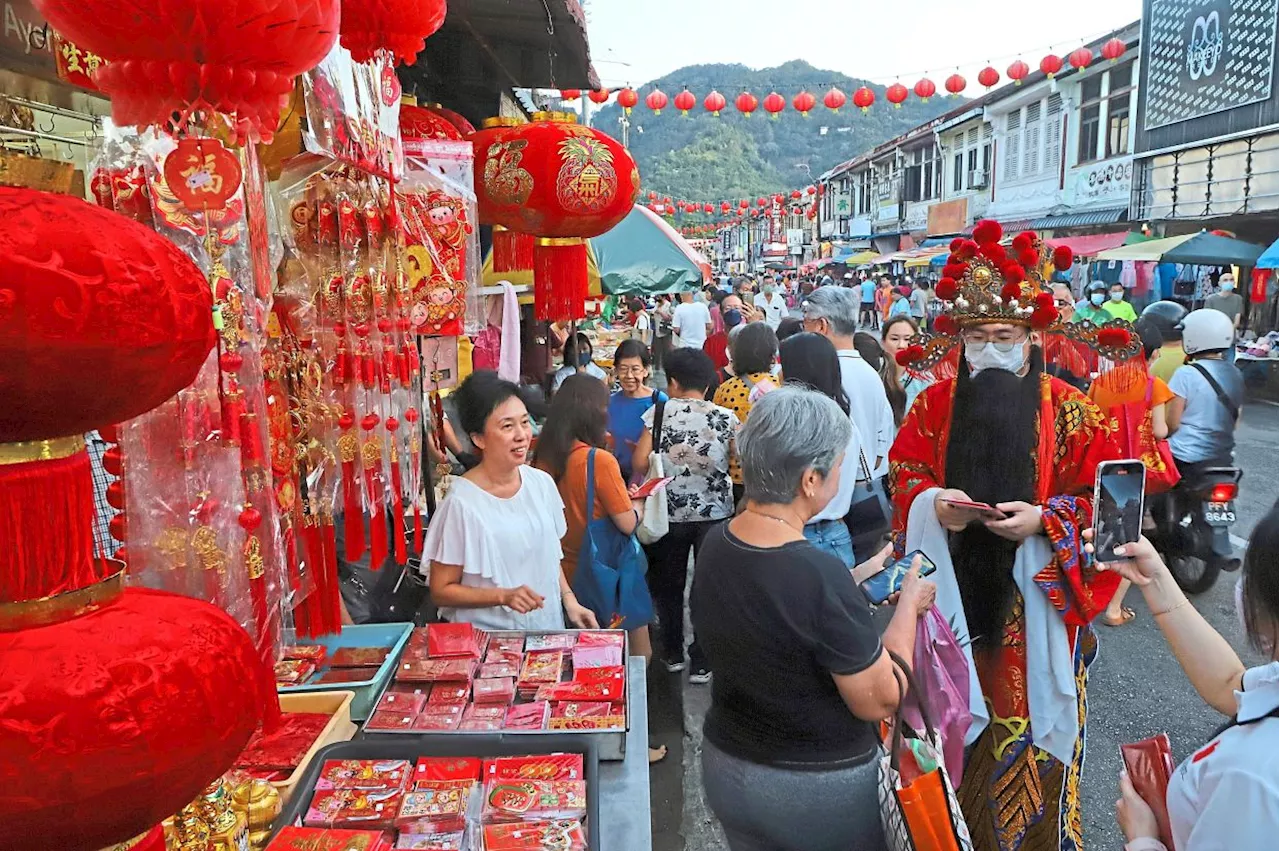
column 1171, row 608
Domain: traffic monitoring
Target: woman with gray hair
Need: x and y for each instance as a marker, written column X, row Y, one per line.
column 801, row 677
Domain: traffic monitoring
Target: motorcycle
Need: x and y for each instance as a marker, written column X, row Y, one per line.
column 1193, row 527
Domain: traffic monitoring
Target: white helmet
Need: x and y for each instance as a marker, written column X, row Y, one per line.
column 1207, row 330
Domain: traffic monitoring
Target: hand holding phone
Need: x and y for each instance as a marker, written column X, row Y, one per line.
column 1117, row 507
column 879, row 587
column 650, row 487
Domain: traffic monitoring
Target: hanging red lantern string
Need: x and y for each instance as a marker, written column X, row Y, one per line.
column 746, row 104
column 955, row 84
column 896, row 94
column 1113, row 49
column 762, row 201
column 1080, row 58
column 1018, row 72
column 804, row 102
column 669, row 210
column 598, row 96
column 685, row 101
column 627, row 99
column 834, row 99
column 204, row 56
column 811, row 190
column 1051, row 65
column 988, row 77
column 512, row 251
column 796, row 194
column 925, row 89
column 744, row 204
column 709, row 209
column 570, row 94
column 400, row 27
column 656, row 100
column 863, row 98
column 774, row 103
column 714, row 102
column 726, row 207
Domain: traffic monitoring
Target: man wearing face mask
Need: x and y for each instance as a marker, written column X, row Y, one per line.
column 1090, row 308
column 770, row 303
column 1012, row 577
column 1116, row 306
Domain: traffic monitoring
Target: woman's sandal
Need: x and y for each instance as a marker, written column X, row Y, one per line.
column 1126, row 615
column 657, row 754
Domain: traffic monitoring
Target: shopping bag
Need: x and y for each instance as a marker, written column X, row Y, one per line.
column 611, row 568
column 1137, row 440
column 918, row 806
column 654, row 522
column 1149, row 764
column 942, row 671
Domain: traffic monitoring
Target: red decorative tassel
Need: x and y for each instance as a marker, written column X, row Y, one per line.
column 352, row 511
column 46, row 524
column 397, row 495
column 329, row 535
column 560, row 279
column 512, row 251
column 417, row 527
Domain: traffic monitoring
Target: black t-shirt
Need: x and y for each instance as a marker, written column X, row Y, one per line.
column 775, row 625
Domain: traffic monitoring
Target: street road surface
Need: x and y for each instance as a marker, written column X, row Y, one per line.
column 1136, row 688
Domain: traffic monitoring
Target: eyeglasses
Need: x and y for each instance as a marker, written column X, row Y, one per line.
column 629, row 370
column 1002, row 336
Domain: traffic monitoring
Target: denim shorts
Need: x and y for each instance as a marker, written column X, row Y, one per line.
column 832, row 536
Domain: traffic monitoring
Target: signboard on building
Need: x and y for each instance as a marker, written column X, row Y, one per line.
column 858, row 227
column 1104, row 182
column 795, row 241
column 1206, row 56
column 844, row 203
column 948, row 217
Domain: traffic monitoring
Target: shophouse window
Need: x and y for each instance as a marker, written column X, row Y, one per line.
column 1013, row 146
column 1053, row 134
column 1031, row 141
column 957, row 172
column 1104, row 114
column 1118, row 110
column 1090, row 118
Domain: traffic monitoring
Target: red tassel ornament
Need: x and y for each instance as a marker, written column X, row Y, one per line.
column 397, row 492
column 512, row 251
column 371, row 456
column 560, row 278
column 352, row 511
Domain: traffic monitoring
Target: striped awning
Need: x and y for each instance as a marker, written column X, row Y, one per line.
column 1079, row 220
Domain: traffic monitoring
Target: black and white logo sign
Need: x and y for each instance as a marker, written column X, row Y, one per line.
column 1205, row 56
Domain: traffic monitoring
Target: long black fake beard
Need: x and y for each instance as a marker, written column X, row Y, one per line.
column 990, row 456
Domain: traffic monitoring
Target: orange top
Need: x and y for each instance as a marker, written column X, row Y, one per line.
column 1107, row 397
column 611, row 498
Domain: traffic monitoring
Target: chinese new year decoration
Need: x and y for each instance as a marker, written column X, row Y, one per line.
column 1018, row 71
column 399, row 27
column 925, row 89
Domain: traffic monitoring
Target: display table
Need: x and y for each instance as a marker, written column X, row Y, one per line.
column 624, row 786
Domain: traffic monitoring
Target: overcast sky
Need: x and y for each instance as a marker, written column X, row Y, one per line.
column 634, row 42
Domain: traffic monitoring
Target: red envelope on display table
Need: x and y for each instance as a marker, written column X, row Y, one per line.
column 1149, row 764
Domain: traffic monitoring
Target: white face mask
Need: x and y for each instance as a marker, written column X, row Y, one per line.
column 1228, row 286
column 989, row 356
column 1117, row 296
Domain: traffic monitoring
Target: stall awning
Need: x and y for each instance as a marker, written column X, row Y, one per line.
column 1203, row 248
column 1079, row 220
column 1271, row 257
column 925, row 256
column 1087, row 246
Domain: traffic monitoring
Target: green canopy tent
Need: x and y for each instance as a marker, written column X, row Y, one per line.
column 642, row 255
column 1203, row 248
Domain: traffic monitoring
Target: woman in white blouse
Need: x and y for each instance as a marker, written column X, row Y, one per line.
column 493, row 546
column 1227, row 794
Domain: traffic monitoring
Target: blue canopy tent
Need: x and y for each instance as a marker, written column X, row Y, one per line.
column 1270, row 258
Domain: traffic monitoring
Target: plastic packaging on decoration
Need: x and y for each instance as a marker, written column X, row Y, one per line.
column 437, row 204
column 353, row 113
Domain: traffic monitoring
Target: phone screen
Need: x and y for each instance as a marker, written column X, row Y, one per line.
column 883, row 585
column 1117, row 506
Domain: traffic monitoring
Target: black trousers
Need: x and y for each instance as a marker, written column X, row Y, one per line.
column 668, row 574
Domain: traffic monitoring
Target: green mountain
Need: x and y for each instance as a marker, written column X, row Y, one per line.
column 702, row 157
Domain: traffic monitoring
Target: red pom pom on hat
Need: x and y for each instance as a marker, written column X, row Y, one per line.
column 945, row 325
column 993, row 251
column 956, row 243
column 1045, row 301
column 1029, row 258
column 1042, row 317
column 1010, row 291
column 967, row 251
column 954, row 270
column 1115, row 338
column 1062, row 258
column 946, row 289
column 987, row 230
column 1013, row 272
column 909, row 355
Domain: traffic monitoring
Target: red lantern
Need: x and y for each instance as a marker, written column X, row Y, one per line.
column 709, row 209
column 955, row 84
column 598, row 96
column 1018, row 72
column 811, row 190
column 1080, row 58
column 744, row 204
column 627, row 99
column 796, row 194
column 713, row 103
column 803, row 102
column 762, row 201
column 833, row 99
column 512, row 251
column 563, row 183
column 416, row 122
column 746, row 104
column 200, row 55
column 669, row 210
column 925, row 89
column 726, row 207
column 465, row 127
column 988, row 76
column 570, row 94
column 653, row 196
column 685, row 101
column 656, row 100
column 896, row 94
column 774, row 103
column 400, row 27
column 1051, row 65
column 1113, row 49
column 779, row 198
column 863, row 98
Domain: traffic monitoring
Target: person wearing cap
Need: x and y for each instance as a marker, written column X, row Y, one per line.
column 1090, row 309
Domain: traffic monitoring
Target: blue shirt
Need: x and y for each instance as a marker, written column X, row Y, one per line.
column 626, row 425
column 868, row 291
column 1206, row 431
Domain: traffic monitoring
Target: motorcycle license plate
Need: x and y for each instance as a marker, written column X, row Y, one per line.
column 1220, row 513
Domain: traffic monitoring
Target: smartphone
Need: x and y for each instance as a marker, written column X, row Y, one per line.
column 983, row 508
column 1117, row 506
column 881, row 586
column 650, row 487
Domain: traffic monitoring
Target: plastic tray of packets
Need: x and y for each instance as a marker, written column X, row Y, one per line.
column 515, row 684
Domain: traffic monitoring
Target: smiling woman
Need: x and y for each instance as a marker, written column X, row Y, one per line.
column 493, row 547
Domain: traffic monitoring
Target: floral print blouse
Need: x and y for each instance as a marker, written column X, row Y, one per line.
column 696, row 446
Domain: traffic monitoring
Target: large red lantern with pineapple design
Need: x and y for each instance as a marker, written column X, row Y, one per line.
column 562, row 183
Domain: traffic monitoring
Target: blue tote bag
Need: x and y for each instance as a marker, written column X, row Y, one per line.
column 611, row 568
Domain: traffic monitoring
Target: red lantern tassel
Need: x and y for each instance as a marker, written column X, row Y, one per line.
column 306, row 615
column 560, row 279
column 46, row 519
column 397, row 507
column 377, row 509
column 333, row 614
column 512, row 251
column 352, row 511
column 417, row 527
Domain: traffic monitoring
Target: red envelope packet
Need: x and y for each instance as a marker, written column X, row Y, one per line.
column 452, row 639
column 439, row 841
column 479, row 725
column 485, row 710
column 433, row 720
column 372, row 808
column 309, row 652
column 592, row 656
column 436, row 768
column 1149, row 764
column 601, row 638
column 423, row 689
column 535, row 836
column 592, row 722
column 500, row 690
column 528, row 716
column 549, row 641
column 493, row 670
column 589, row 684
column 387, row 720
column 578, row 709
column 364, row 774
column 436, row 670
column 347, row 675
column 446, row 693
column 437, row 802
column 556, row 766
column 358, row 657
column 534, row 800
column 283, row 749
column 292, row 672
column 542, row 666
column 409, row 703
column 324, row 839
